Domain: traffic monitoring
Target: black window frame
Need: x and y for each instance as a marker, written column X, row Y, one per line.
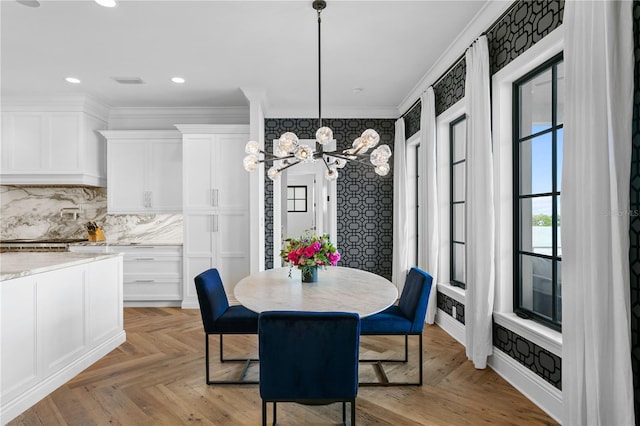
column 306, row 195
column 555, row 321
column 453, row 242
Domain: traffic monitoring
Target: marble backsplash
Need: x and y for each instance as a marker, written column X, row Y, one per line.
column 47, row 212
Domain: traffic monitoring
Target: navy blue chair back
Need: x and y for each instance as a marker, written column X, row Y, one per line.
column 212, row 298
column 414, row 298
column 308, row 355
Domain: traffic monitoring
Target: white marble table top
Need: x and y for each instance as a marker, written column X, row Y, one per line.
column 20, row 264
column 337, row 289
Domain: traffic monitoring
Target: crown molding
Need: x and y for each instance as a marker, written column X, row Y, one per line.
column 480, row 23
column 235, row 115
column 332, row 112
column 205, row 129
column 140, row 134
column 67, row 103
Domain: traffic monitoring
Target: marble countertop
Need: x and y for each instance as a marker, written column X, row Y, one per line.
column 128, row 243
column 20, row 264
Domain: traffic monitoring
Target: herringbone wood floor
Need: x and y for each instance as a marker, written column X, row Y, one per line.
column 157, row 378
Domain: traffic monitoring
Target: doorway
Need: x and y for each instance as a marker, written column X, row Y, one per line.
column 320, row 197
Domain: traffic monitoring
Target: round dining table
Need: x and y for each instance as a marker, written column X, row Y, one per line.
column 338, row 289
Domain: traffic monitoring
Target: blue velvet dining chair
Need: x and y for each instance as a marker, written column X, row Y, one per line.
column 220, row 318
column 308, row 358
column 406, row 318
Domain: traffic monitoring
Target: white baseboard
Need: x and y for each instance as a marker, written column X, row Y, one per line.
column 539, row 391
column 535, row 388
column 152, row 304
column 12, row 409
column 451, row 326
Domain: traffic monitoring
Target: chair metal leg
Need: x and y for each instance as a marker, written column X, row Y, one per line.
column 243, row 373
column 264, row 413
column 406, row 353
column 384, row 381
column 274, row 413
column 223, row 359
column 344, row 413
column 353, row 412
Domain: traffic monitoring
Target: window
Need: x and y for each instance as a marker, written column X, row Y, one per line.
column 413, row 198
column 538, row 100
column 297, row 199
column 458, row 141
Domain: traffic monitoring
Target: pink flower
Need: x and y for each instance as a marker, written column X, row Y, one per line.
column 316, row 246
column 292, row 257
column 334, row 258
column 309, row 251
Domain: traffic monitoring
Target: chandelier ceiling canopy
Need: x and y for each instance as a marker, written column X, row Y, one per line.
column 289, row 152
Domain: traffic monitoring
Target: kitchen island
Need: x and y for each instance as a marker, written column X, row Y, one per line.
column 59, row 313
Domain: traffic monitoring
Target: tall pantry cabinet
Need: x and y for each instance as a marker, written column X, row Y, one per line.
column 215, row 205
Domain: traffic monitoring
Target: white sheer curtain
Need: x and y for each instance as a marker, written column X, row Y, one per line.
column 596, row 350
column 479, row 217
column 400, row 264
column 429, row 198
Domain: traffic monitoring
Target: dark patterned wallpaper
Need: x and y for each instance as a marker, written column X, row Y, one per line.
column 634, row 223
column 365, row 200
column 412, row 120
column 450, row 88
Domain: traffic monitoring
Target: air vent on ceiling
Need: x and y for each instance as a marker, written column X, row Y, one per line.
column 128, row 80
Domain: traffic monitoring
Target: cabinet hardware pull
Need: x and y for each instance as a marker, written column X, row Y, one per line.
column 145, row 281
column 214, row 197
column 145, row 258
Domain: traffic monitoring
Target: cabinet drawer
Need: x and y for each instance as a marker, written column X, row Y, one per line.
column 152, row 289
column 147, row 250
column 152, row 265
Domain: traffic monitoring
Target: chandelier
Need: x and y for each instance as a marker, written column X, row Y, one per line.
column 289, row 152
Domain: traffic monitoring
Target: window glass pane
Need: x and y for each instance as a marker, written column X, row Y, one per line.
column 458, row 222
column 459, row 140
column 558, row 224
column 301, row 205
column 536, row 165
column 458, row 182
column 291, row 206
column 560, row 93
column 537, row 292
column 290, row 192
column 535, row 225
column 559, row 291
column 559, row 143
column 535, row 104
column 301, row 192
column 458, row 262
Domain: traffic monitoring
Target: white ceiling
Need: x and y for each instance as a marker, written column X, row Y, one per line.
column 220, row 47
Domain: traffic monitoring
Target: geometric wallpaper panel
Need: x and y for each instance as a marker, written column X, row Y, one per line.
column 412, row 120
column 634, row 220
column 365, row 200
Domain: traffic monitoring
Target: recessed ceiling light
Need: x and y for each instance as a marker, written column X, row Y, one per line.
column 179, row 80
column 357, row 90
column 107, row 3
column 73, row 80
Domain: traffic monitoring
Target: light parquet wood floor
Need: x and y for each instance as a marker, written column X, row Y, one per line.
column 157, row 378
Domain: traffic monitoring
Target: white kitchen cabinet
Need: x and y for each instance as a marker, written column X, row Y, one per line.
column 144, row 171
column 215, row 205
column 52, row 147
column 54, row 324
column 152, row 274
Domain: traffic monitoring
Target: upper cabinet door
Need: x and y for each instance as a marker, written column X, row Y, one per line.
column 144, row 171
column 165, row 176
column 199, row 192
column 231, row 180
column 127, row 176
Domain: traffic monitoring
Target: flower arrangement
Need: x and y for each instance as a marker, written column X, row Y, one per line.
column 309, row 252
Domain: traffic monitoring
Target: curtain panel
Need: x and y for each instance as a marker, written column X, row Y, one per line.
column 596, row 348
column 400, row 265
column 429, row 219
column 479, row 214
